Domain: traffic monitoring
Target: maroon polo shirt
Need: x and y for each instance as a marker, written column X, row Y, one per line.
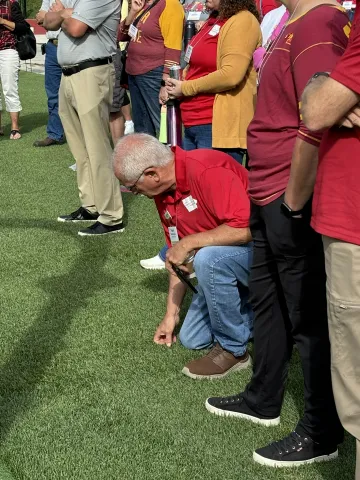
column 211, row 190
column 312, row 43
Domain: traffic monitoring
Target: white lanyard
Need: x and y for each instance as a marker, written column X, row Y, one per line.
column 190, row 204
column 190, row 47
column 276, row 41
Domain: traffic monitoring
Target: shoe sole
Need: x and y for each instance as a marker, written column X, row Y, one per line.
column 271, row 422
column 238, row 366
column 152, row 268
column 278, row 464
column 59, row 219
column 82, row 234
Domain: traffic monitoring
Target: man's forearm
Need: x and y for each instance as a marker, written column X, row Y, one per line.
column 325, row 102
column 219, row 236
column 176, row 295
column 302, row 175
column 53, row 21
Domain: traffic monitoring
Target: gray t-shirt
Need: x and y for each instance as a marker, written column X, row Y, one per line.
column 102, row 16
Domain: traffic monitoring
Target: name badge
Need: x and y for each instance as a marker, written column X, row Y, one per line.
column 188, row 53
column 174, row 237
column 133, row 31
column 194, row 16
column 215, row 30
column 190, row 203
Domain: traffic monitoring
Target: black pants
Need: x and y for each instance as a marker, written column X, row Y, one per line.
column 287, row 284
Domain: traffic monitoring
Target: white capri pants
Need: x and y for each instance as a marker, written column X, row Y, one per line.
column 9, row 76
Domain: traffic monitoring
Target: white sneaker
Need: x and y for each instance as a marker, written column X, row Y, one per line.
column 154, row 263
column 129, row 127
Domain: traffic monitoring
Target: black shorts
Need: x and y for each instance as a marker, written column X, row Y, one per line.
column 120, row 96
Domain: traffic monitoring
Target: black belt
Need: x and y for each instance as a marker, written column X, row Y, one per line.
column 54, row 41
column 67, row 71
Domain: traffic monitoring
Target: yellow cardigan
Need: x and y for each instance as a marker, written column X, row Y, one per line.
column 234, row 81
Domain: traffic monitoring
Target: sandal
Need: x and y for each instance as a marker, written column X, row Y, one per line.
column 13, row 133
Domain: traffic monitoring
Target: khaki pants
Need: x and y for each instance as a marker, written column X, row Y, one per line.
column 343, row 294
column 84, row 107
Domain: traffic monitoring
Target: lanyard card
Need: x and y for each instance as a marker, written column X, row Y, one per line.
column 133, row 31
column 188, row 53
column 174, row 237
column 195, row 16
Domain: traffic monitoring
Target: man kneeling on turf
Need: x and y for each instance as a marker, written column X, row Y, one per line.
column 202, row 200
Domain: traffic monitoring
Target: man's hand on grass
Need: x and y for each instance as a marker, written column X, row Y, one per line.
column 164, row 334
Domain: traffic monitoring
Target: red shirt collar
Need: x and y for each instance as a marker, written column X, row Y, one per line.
column 182, row 186
column 180, row 171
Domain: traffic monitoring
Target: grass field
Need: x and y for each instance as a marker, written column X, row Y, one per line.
column 84, row 393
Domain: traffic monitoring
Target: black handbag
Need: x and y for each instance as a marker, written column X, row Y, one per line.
column 26, row 45
column 124, row 78
column 26, row 42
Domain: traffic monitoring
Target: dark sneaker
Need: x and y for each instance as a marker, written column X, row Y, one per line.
column 293, row 451
column 216, row 364
column 48, row 142
column 101, row 229
column 80, row 215
column 236, row 406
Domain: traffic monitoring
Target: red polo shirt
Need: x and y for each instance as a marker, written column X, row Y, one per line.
column 212, row 182
column 198, row 110
column 336, row 205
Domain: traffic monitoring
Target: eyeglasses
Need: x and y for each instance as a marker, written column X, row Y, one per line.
column 133, row 188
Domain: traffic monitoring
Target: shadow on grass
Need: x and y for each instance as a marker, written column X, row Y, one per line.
column 293, row 386
column 156, row 281
column 67, row 294
column 33, row 121
column 128, row 200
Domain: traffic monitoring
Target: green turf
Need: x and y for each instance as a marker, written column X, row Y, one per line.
column 84, row 393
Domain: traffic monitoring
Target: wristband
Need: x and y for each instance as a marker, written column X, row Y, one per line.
column 318, row 74
column 163, row 83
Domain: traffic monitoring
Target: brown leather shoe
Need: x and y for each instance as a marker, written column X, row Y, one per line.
column 216, row 364
column 47, row 142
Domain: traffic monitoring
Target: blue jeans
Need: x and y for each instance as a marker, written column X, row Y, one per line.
column 220, row 312
column 144, row 91
column 52, row 84
column 198, row 136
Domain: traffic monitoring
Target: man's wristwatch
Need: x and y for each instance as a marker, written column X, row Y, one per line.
column 318, row 74
column 289, row 212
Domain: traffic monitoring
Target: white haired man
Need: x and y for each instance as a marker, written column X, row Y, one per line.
column 202, row 200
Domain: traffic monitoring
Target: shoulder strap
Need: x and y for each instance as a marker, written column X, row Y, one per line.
column 137, row 20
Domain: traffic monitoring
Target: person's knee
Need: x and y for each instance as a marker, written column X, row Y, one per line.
column 204, row 262
column 186, row 340
column 191, row 342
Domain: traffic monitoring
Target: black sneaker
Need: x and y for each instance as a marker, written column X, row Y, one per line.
column 80, row 215
column 101, row 229
column 235, row 406
column 293, row 451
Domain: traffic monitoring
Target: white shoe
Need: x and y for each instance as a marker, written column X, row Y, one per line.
column 129, row 127
column 154, row 263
